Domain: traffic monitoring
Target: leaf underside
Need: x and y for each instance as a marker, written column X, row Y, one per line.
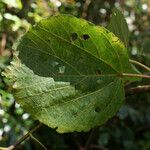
column 66, row 74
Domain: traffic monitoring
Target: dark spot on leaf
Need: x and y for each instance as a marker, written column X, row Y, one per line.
column 48, row 40
column 74, row 36
column 74, row 114
column 98, row 72
column 97, row 109
column 85, row 36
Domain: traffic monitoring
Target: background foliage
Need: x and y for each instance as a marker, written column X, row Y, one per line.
column 130, row 128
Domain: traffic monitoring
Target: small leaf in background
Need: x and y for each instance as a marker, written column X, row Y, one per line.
column 146, row 47
column 145, row 51
column 119, row 27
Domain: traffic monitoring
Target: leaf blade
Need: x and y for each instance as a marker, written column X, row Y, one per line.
column 77, row 71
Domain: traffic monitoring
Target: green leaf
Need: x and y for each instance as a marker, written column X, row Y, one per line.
column 68, row 72
column 119, row 27
column 146, row 46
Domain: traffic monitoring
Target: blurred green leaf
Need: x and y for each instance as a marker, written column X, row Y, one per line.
column 146, row 47
column 103, row 139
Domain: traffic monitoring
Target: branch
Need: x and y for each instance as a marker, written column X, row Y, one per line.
column 36, row 140
column 3, row 43
column 138, row 90
column 88, row 142
column 23, row 138
column 135, row 75
column 92, row 137
column 85, row 8
column 140, row 64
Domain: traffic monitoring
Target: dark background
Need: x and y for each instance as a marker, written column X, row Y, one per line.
column 130, row 128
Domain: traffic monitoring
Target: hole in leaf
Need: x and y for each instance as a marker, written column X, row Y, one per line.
column 97, row 109
column 54, row 63
column 74, row 36
column 62, row 69
column 85, row 36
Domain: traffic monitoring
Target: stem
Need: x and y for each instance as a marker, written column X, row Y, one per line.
column 23, row 138
column 88, row 142
column 138, row 89
column 36, row 140
column 3, row 43
column 140, row 64
column 92, row 137
column 135, row 75
column 85, row 8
